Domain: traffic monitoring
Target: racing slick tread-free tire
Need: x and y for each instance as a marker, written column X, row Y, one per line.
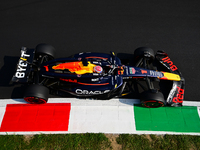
column 36, row 94
column 45, row 49
column 144, row 52
column 152, row 99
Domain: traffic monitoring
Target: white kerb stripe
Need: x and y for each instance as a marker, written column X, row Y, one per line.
column 112, row 116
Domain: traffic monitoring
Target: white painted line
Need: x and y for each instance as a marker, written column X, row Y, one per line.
column 2, row 112
column 4, row 102
column 191, row 103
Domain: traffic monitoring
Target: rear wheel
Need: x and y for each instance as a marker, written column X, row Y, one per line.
column 36, row 94
column 152, row 99
column 45, row 50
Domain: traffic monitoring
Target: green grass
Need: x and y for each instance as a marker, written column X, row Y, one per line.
column 152, row 142
column 98, row 141
column 55, row 141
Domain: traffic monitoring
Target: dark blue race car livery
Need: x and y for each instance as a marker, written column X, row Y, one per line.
column 97, row 75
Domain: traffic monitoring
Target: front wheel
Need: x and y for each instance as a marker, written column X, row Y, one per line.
column 144, row 52
column 36, row 94
column 152, row 99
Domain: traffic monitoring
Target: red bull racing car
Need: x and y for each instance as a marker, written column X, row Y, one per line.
column 97, row 75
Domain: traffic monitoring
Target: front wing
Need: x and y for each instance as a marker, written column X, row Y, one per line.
column 176, row 94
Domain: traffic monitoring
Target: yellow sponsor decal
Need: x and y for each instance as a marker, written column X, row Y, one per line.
column 24, row 59
column 125, row 94
column 171, row 76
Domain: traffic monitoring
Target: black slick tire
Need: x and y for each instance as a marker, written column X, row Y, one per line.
column 45, row 49
column 144, row 52
column 152, row 99
column 36, row 94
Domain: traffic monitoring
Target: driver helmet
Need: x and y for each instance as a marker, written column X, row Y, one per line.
column 98, row 69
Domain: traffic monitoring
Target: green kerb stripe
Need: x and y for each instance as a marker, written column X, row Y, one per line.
column 174, row 119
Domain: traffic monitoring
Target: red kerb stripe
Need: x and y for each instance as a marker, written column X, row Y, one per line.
column 36, row 117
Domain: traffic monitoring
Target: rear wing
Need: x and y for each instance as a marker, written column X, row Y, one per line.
column 24, row 65
column 176, row 94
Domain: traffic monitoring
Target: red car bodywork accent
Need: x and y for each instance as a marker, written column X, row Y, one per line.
column 47, row 68
column 164, row 78
column 143, row 71
column 92, row 84
column 179, row 96
column 69, row 80
column 96, row 57
column 75, row 81
column 120, row 71
column 172, row 66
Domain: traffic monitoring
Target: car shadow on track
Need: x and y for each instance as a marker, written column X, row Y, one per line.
column 8, row 70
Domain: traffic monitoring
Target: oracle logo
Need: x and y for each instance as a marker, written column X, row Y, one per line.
column 86, row 92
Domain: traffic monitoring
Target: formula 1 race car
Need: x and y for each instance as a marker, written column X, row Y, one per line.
column 97, row 75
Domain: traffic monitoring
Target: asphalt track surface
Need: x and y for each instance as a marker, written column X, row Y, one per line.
column 101, row 26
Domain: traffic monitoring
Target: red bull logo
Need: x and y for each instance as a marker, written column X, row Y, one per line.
column 120, row 70
column 172, row 66
column 75, row 67
column 71, row 66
